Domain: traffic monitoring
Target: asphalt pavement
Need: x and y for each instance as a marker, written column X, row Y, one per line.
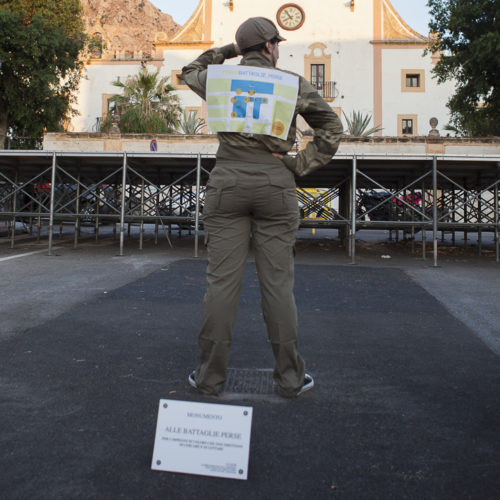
column 405, row 358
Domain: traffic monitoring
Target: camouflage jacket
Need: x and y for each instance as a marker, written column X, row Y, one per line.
column 321, row 118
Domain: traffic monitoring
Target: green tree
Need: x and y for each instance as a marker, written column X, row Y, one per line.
column 148, row 104
column 40, row 43
column 65, row 14
column 467, row 33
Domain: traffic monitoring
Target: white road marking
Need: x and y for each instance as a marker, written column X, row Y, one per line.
column 26, row 254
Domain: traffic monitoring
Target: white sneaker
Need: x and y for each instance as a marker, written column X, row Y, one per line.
column 308, row 384
column 191, row 380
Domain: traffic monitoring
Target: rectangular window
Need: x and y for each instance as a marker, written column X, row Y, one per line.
column 318, row 77
column 412, row 80
column 107, row 106
column 407, row 126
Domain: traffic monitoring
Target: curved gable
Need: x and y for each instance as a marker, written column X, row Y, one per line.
column 394, row 28
column 195, row 33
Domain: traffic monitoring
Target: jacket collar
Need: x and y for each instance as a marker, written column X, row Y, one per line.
column 256, row 59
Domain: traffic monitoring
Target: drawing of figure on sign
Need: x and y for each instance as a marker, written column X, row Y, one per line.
column 250, row 100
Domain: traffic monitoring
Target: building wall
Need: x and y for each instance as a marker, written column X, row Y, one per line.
column 208, row 144
column 425, row 104
column 347, row 39
column 357, row 44
column 93, row 91
column 323, row 20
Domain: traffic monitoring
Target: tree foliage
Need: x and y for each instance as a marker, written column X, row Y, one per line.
column 40, row 43
column 467, row 33
column 148, row 104
column 64, row 14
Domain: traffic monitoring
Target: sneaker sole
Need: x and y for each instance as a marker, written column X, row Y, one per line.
column 306, row 387
column 192, row 381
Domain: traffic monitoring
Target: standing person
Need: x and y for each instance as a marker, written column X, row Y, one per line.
column 251, row 195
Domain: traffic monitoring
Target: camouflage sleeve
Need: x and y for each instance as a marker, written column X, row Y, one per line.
column 327, row 128
column 195, row 73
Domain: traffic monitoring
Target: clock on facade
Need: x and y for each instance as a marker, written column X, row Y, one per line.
column 290, row 16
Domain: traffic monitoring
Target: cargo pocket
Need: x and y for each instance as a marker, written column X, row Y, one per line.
column 218, row 191
column 283, row 192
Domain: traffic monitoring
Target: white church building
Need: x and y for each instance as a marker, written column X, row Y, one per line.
column 359, row 54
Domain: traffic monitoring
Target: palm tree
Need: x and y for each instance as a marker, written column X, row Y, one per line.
column 147, row 104
column 357, row 124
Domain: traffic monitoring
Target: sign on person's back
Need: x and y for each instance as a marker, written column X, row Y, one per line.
column 251, row 100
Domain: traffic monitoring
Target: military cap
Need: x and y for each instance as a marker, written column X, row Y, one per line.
column 256, row 30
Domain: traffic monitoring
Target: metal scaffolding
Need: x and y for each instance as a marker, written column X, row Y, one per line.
column 410, row 194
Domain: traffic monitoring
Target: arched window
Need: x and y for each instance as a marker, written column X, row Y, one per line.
column 318, row 70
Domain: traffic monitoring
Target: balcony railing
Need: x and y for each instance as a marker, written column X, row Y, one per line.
column 327, row 90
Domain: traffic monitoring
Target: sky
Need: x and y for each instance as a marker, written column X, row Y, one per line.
column 414, row 12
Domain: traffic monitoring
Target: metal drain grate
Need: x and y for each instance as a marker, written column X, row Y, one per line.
column 250, row 381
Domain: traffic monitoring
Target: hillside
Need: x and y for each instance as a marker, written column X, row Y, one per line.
column 127, row 25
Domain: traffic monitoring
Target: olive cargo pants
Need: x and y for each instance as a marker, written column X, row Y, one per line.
column 243, row 201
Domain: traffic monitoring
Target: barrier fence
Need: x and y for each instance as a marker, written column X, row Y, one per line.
column 407, row 194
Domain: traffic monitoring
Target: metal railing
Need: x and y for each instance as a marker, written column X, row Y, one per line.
column 409, row 193
column 327, row 90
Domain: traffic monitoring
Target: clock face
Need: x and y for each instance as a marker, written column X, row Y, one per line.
column 290, row 16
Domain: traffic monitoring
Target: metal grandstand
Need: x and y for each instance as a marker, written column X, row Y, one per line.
column 412, row 194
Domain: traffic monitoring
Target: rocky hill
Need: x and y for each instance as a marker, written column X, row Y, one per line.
column 127, row 25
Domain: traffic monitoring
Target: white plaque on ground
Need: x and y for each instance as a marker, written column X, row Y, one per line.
column 202, row 438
